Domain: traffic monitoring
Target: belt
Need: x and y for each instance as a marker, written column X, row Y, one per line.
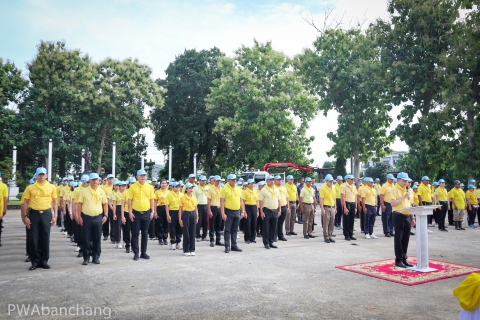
column 39, row 211
column 188, row 211
column 328, row 206
column 92, row 216
column 201, row 204
column 141, row 212
column 308, row 204
column 232, row 210
column 386, row 202
column 369, row 205
column 292, row 201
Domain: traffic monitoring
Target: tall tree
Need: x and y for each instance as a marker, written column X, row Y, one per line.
column 414, row 41
column 184, row 122
column 262, row 108
column 343, row 70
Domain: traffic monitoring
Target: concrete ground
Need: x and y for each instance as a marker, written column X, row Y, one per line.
column 297, row 280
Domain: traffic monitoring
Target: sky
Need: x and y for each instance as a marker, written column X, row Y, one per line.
column 156, row 31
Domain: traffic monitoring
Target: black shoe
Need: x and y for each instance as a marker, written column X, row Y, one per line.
column 300, row 222
column 219, row 243
column 353, row 238
column 327, row 240
column 293, row 233
column 331, row 240
column 306, row 237
column 267, row 246
column 259, row 234
column 314, row 223
column 282, row 239
column 253, row 241
column 160, row 242
column 212, row 244
column 79, row 255
column 113, row 242
column 105, row 238
column 45, row 266
column 203, row 239
column 392, row 234
column 444, row 230
column 96, row 261
column 273, row 246
column 127, row 249
column 287, row 234
column 311, row 236
column 247, row 242
column 165, row 242
column 236, row 249
column 450, row 224
column 388, row 235
column 227, row 249
column 136, row 257
column 33, row 267
column 348, row 239
column 405, row 262
column 400, row 264
column 145, row 256
column 28, row 259
column 412, row 234
column 275, row 240
column 85, row 263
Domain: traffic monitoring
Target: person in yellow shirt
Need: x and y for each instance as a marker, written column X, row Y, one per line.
column 472, row 205
column 377, row 186
column 369, row 204
column 68, row 208
column 67, row 221
column 232, row 209
column 338, row 199
column 349, row 203
column 126, row 222
column 41, row 199
column 161, row 222
column 457, row 197
column 477, row 193
column 283, row 195
column 200, row 193
column 328, row 206
column 250, row 199
column 77, row 214
column 270, row 210
column 387, row 218
column 308, row 206
column 3, row 205
column 441, row 197
column 188, row 218
column 403, row 221
column 415, row 196
column 261, row 185
column 213, row 207
column 107, row 187
column 292, row 206
column 60, row 186
column 425, row 197
column 172, row 205
column 117, row 205
column 141, row 209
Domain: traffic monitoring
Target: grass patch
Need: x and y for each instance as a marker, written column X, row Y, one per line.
column 14, row 202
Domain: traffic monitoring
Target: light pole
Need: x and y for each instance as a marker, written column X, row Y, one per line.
column 143, row 163
column 195, row 164
column 49, row 172
column 170, row 163
column 83, row 161
column 14, row 168
column 113, row 159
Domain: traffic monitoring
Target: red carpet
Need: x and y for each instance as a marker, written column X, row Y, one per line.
column 386, row 270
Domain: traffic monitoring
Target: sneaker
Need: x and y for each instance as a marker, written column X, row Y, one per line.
column 238, row 237
column 429, row 231
column 192, row 253
column 119, row 246
column 197, row 239
column 179, row 246
column 65, row 233
column 340, row 228
column 172, row 247
column 367, row 236
column 373, row 236
column 430, row 225
column 186, row 254
column 77, row 249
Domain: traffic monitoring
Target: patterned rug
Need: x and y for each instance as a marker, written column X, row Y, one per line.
column 386, row 270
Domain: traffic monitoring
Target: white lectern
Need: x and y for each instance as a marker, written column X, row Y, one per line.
column 421, row 214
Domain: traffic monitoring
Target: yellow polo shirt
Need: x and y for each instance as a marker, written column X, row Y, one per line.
column 173, row 200
column 396, row 193
column 92, row 201
column 385, row 190
column 188, row 203
column 141, row 196
column 107, row 188
column 377, row 187
column 214, row 195
column 369, row 194
column 307, row 194
column 442, row 194
column 415, row 199
column 425, row 192
column 350, row 192
column 328, row 195
column 125, row 201
column 76, row 192
column 269, row 197
column 161, row 196
column 459, row 196
column 338, row 190
column 250, row 197
column 232, row 197
column 292, row 192
column 477, row 193
column 470, row 195
column 116, row 196
column 40, row 196
column 283, row 195
column 59, row 190
column 68, row 195
column 3, row 195
column 201, row 194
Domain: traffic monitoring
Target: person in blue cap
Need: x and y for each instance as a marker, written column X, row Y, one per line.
column 41, row 199
column 292, row 206
column 200, row 193
column 261, row 185
column 441, row 197
column 425, row 197
column 338, row 199
column 188, row 218
column 213, row 207
column 67, row 223
column 387, row 217
column 232, row 209
column 250, row 199
column 270, row 210
column 377, row 186
column 308, row 206
column 283, row 196
column 172, row 206
column 107, row 227
column 472, row 204
column 349, row 203
column 369, row 204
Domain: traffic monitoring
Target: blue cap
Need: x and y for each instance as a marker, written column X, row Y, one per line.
column 110, row 176
column 188, row 185
column 115, row 183
column 191, row 175
column 470, row 186
column 472, row 181
column 329, row 175
column 239, row 183
column 240, row 179
column 211, row 177
column 441, row 181
column 290, row 177
column 132, row 180
column 31, row 181
column 404, row 176
column 367, row 179
column 308, row 179
column 180, row 183
column 327, row 178
column 172, row 180
column 202, row 178
column 414, row 187
column 73, row 184
column 390, row 176
column 462, row 185
column 85, row 178
column 231, row 176
column 249, row 181
column 261, row 183
column 245, row 183
column 94, row 176
column 175, row 184
column 149, row 181
column 376, row 179
column 41, row 170
column 217, row 178
column 277, row 177
column 270, row 177
column 339, row 178
column 64, row 179
column 348, row 176
column 425, row 178
column 70, row 178
column 435, row 184
column 395, row 180
column 222, row 179
column 141, row 172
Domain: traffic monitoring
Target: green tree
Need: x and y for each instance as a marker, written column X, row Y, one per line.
column 379, row 170
column 329, row 164
column 414, row 41
column 262, row 108
column 344, row 71
column 184, row 122
column 340, row 166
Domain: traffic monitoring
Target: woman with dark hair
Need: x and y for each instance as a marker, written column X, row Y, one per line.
column 161, row 222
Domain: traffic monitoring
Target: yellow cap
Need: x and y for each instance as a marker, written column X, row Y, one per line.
column 468, row 292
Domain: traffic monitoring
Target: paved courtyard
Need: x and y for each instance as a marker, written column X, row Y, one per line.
column 296, row 281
